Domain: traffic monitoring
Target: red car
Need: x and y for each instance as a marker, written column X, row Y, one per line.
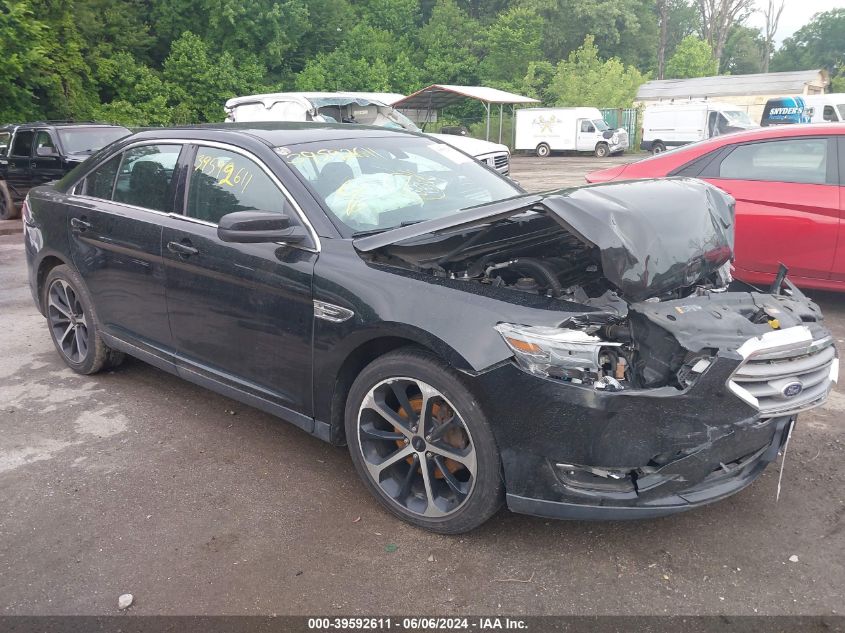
column 789, row 185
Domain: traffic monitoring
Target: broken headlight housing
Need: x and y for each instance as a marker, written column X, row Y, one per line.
column 554, row 352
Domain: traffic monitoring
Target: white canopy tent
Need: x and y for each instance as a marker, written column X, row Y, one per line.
column 439, row 96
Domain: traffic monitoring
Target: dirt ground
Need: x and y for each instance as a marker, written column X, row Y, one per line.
column 136, row 481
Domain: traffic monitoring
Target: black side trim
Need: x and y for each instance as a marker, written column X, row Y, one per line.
column 166, row 362
column 297, row 419
column 163, row 361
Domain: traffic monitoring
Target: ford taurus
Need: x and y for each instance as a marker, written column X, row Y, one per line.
column 579, row 354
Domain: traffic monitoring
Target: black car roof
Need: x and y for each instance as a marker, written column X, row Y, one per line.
column 274, row 133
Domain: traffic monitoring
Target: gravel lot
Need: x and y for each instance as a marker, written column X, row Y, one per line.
column 136, row 481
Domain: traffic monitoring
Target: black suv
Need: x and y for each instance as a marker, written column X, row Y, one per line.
column 34, row 153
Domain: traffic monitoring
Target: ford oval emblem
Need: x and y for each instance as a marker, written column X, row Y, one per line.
column 793, row 389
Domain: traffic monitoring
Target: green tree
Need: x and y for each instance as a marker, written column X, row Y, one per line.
column 818, row 44
column 692, row 58
column 368, row 59
column 509, row 45
column 446, row 45
column 626, row 29
column 537, row 81
column 202, row 82
column 273, row 27
column 585, row 80
column 65, row 90
column 743, row 52
column 394, row 16
column 24, row 57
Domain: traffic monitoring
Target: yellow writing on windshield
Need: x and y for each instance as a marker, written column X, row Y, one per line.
column 328, row 155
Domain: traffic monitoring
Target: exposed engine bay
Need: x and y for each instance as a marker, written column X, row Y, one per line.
column 645, row 293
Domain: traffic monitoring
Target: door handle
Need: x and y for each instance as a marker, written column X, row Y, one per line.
column 80, row 224
column 182, row 248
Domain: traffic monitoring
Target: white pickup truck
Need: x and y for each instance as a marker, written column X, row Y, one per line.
column 352, row 107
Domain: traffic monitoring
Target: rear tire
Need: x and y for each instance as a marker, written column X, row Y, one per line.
column 602, row 150
column 73, row 323
column 543, row 150
column 8, row 210
column 658, row 147
column 437, row 468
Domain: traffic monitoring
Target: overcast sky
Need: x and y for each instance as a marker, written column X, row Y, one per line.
column 796, row 13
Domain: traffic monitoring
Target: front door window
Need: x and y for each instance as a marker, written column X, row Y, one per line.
column 223, row 182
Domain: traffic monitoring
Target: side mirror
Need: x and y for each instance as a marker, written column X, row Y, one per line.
column 46, row 152
column 255, row 227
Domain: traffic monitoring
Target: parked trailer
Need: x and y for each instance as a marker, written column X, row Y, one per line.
column 546, row 130
column 673, row 124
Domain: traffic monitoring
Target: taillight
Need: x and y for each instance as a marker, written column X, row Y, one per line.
column 26, row 211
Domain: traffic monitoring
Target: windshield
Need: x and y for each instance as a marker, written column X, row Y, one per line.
column 600, row 124
column 87, row 140
column 375, row 184
column 737, row 117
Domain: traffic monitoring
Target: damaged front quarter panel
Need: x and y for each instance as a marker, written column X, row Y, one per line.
column 662, row 384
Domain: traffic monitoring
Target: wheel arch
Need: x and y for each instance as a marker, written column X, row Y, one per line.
column 362, row 352
column 47, row 263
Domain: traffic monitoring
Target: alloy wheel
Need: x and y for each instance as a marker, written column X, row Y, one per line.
column 68, row 322
column 416, row 447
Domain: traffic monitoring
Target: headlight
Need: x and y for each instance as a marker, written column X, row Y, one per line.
column 562, row 353
column 615, row 139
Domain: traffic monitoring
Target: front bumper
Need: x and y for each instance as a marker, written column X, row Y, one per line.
column 666, row 450
column 722, row 482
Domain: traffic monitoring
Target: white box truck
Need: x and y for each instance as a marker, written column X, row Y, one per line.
column 673, row 124
column 546, row 130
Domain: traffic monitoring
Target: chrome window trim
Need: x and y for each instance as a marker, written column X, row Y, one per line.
column 220, row 145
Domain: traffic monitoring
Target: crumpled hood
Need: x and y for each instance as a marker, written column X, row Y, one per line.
column 654, row 235
column 470, row 145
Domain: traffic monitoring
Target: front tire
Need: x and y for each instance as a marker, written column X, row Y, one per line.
column 422, row 445
column 8, row 210
column 602, row 150
column 73, row 323
column 543, row 150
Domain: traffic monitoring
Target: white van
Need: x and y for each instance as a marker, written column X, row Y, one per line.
column 829, row 108
column 545, row 130
column 364, row 108
column 673, row 124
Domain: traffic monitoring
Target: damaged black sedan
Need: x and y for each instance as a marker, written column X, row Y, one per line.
column 579, row 354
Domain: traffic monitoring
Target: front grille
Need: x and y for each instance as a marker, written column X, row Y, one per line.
column 785, row 371
column 501, row 162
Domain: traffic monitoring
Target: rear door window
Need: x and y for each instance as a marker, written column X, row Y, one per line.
column 801, row 160
column 223, row 182
column 145, row 177
column 22, row 145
